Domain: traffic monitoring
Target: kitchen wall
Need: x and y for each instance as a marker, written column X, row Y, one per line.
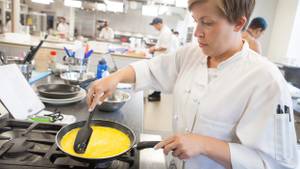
column 267, row 10
column 132, row 21
column 282, row 31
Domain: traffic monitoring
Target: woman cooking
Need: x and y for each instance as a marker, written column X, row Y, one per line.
column 232, row 108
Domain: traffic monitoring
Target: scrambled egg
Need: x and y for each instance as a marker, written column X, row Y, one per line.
column 104, row 142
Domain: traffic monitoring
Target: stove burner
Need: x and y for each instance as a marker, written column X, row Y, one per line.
column 103, row 165
column 26, row 145
column 17, row 147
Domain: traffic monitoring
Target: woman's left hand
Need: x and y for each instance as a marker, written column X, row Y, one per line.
column 184, row 146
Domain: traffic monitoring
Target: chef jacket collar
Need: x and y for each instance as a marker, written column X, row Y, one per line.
column 235, row 57
column 230, row 60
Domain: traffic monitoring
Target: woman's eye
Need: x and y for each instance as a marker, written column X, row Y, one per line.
column 207, row 23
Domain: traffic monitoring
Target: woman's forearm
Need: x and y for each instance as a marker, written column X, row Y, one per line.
column 125, row 75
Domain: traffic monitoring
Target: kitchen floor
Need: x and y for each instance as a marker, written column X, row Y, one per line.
column 158, row 116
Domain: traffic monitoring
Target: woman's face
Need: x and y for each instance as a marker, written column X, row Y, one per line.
column 214, row 33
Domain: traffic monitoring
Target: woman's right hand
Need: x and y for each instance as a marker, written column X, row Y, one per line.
column 100, row 90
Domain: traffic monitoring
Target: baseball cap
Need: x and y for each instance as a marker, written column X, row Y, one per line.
column 156, row 21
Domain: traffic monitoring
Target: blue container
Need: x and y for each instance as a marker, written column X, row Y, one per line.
column 102, row 69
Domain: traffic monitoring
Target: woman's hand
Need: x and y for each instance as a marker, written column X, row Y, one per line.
column 184, row 146
column 100, row 90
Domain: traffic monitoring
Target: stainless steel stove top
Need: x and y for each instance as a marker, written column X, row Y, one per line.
column 26, row 145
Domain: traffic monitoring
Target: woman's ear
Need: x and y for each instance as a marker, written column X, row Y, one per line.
column 239, row 25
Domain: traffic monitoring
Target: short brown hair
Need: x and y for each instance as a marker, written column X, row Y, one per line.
column 233, row 10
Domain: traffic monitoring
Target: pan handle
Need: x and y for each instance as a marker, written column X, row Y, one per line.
column 86, row 83
column 146, row 144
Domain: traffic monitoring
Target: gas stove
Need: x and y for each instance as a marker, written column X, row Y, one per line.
column 25, row 144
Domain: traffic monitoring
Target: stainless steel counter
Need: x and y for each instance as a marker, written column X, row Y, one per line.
column 131, row 114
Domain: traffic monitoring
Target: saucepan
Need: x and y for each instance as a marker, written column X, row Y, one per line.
column 120, row 127
column 58, row 91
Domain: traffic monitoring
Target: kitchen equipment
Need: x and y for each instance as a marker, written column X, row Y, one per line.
column 115, row 102
column 84, row 135
column 30, row 55
column 77, row 78
column 115, row 125
column 291, row 74
column 58, row 102
column 58, row 91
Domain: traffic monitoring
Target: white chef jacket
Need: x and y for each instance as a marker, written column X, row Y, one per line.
column 63, row 28
column 237, row 106
column 166, row 40
column 107, row 34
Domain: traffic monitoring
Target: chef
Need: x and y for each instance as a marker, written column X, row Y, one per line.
column 106, row 33
column 232, row 108
column 167, row 42
column 255, row 29
column 62, row 27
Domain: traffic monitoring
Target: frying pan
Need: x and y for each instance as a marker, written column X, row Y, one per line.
column 118, row 126
column 58, row 91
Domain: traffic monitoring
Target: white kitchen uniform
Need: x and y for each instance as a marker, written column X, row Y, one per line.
column 63, row 28
column 236, row 102
column 166, row 40
column 107, row 34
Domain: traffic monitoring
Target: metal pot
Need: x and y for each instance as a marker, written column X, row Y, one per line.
column 115, row 102
column 139, row 146
column 76, row 78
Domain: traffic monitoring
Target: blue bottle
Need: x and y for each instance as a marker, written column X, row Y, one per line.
column 102, row 69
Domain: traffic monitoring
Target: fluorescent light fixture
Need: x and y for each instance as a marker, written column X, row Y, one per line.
column 170, row 2
column 162, row 10
column 114, row 6
column 150, row 10
column 101, row 7
column 181, row 3
column 47, row 2
column 73, row 3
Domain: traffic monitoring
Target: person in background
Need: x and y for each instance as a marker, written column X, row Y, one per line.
column 177, row 40
column 253, row 33
column 106, row 32
column 62, row 27
column 231, row 107
column 165, row 45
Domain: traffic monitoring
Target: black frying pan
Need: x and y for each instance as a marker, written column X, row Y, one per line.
column 118, row 126
column 58, row 91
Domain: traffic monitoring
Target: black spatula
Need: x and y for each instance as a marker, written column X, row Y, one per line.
column 83, row 136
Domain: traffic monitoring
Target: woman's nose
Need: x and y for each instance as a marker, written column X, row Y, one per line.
column 199, row 33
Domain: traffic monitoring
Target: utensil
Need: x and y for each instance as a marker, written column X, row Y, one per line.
column 88, row 54
column 58, row 91
column 30, row 55
column 83, row 136
column 114, row 102
column 129, row 132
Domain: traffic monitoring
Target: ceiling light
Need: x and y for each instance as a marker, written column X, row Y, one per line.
column 73, row 3
column 181, row 3
column 47, row 2
column 150, row 10
column 114, row 6
column 101, row 7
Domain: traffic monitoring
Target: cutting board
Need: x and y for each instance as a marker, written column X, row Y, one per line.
column 16, row 93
